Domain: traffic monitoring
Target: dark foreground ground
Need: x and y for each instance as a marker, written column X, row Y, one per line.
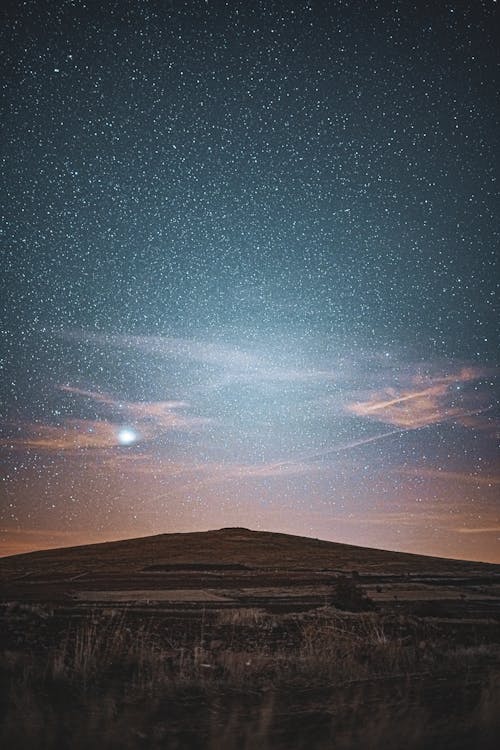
column 299, row 645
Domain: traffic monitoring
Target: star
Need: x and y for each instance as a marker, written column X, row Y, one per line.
column 127, row 436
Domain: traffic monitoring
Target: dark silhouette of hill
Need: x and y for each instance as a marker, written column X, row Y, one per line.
column 229, row 548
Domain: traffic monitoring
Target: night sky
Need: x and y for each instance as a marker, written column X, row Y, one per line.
column 249, row 271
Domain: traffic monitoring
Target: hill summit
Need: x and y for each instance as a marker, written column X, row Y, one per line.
column 228, row 546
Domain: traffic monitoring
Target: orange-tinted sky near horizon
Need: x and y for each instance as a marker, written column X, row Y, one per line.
column 398, row 488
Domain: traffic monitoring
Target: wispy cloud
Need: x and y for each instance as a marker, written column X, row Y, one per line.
column 415, row 406
column 218, row 472
column 478, row 530
column 72, row 435
column 489, row 426
column 160, row 414
column 350, row 445
column 231, row 363
column 210, row 472
column 450, row 476
column 148, row 420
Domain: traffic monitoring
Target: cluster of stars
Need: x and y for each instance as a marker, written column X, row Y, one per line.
column 233, row 233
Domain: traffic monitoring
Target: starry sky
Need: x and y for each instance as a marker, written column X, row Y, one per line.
column 249, row 271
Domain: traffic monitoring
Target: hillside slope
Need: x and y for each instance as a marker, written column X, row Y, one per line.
column 231, row 546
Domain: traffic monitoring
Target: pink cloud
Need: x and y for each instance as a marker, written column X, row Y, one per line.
column 416, row 406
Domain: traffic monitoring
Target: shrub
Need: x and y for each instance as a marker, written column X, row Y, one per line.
column 349, row 595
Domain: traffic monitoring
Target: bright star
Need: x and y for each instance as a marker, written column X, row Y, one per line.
column 126, row 436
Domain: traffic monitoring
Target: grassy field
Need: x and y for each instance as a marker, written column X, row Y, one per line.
column 335, row 668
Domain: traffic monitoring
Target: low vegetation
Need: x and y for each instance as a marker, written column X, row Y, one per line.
column 240, row 678
column 234, row 639
column 348, row 595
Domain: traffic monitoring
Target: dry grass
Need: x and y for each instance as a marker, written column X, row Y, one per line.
column 266, row 682
column 325, row 646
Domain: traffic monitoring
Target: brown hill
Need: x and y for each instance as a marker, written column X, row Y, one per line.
column 228, row 548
